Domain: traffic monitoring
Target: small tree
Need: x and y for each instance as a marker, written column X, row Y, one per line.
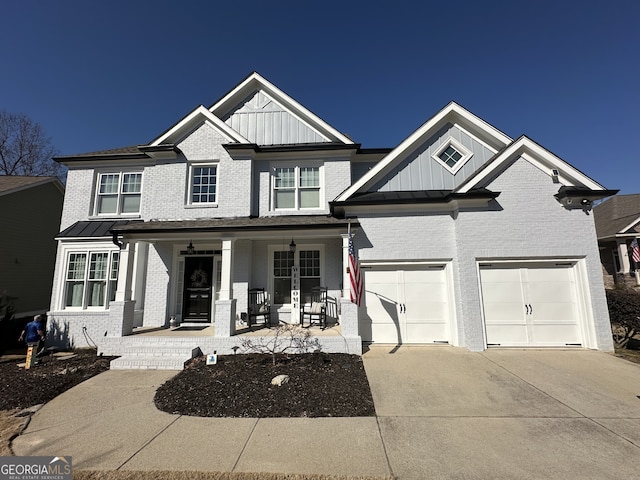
column 24, row 147
column 624, row 311
column 286, row 339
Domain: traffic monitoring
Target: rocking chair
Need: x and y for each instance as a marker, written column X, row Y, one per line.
column 259, row 308
column 317, row 310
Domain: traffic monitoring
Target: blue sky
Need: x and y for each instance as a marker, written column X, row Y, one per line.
column 101, row 75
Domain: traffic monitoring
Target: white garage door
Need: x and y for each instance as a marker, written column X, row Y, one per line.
column 405, row 305
column 530, row 305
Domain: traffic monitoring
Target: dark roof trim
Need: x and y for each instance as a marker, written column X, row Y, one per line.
column 164, row 147
column 575, row 192
column 92, row 229
column 300, row 147
column 245, row 224
column 414, row 197
column 124, row 153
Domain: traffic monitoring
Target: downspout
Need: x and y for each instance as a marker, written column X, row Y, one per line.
column 114, row 239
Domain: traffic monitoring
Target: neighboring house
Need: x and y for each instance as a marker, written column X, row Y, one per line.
column 465, row 235
column 617, row 226
column 30, row 211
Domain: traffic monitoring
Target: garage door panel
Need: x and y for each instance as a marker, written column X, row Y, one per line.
column 542, row 310
column 500, row 275
column 554, row 312
column 512, row 335
column 406, row 305
column 549, row 292
column 385, row 333
column 555, row 335
column 504, row 312
column 502, row 293
column 429, row 292
column 549, row 274
column 417, row 332
column 430, row 312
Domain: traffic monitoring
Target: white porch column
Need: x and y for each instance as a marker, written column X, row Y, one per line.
column 346, row 282
column 623, row 256
column 226, row 291
column 225, row 318
column 125, row 272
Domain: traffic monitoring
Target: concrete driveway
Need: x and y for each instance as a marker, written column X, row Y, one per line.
column 445, row 412
column 442, row 412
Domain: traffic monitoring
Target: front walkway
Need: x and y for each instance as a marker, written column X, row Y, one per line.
column 442, row 412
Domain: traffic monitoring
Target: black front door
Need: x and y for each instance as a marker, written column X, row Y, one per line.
column 198, row 277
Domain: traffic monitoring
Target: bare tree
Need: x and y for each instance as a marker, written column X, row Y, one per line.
column 24, row 147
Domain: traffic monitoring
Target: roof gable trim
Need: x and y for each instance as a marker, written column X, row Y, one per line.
column 196, row 116
column 453, row 113
column 538, row 156
column 257, row 82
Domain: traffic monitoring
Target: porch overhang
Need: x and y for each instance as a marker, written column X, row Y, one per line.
column 427, row 200
column 238, row 227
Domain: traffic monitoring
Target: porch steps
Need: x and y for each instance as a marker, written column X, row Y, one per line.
column 142, row 354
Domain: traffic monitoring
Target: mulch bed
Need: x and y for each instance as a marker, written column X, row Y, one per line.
column 320, row 385
column 53, row 375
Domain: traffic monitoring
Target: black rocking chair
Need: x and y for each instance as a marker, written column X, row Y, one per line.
column 259, row 308
column 317, row 310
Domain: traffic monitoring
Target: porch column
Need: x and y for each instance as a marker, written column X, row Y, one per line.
column 226, row 292
column 225, row 318
column 125, row 272
column 623, row 256
column 121, row 311
column 346, row 282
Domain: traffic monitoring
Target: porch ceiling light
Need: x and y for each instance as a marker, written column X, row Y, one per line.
column 190, row 249
column 292, row 246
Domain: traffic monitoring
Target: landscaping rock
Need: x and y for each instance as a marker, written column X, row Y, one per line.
column 280, row 380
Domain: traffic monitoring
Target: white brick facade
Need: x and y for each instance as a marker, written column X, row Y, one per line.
column 524, row 223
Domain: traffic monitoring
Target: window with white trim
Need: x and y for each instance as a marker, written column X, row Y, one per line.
column 118, row 193
column 452, row 155
column 296, row 188
column 310, row 274
column 203, row 184
column 91, row 279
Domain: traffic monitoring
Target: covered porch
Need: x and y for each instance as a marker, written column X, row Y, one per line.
column 197, row 274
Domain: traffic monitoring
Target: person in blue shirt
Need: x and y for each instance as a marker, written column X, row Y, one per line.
column 33, row 333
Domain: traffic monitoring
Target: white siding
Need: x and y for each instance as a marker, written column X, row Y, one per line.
column 419, row 171
column 263, row 121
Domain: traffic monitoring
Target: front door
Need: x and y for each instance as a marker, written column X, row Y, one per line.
column 198, row 279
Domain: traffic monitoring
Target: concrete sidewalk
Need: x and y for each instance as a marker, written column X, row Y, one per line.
column 442, row 412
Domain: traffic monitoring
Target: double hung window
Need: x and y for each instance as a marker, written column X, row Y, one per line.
column 119, row 193
column 91, row 279
column 204, row 184
column 310, row 274
column 296, row 188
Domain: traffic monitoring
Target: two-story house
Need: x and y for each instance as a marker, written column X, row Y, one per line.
column 464, row 235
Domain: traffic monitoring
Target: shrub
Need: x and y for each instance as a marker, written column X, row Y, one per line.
column 285, row 339
column 624, row 311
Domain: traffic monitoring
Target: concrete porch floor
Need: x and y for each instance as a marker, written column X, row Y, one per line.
column 205, row 330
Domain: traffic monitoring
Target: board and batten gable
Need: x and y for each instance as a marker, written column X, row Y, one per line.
column 526, row 222
column 263, row 121
column 420, row 171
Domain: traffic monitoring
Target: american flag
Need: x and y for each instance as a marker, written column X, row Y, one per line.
column 635, row 251
column 354, row 274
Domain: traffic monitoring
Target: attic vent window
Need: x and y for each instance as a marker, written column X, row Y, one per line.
column 452, row 155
